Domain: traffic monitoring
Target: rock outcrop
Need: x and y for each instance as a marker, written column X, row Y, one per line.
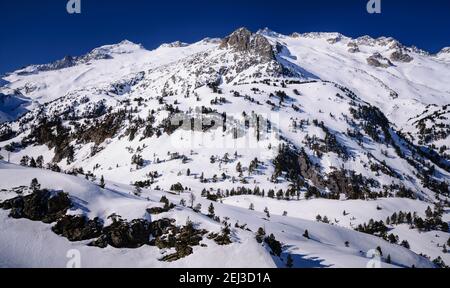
column 377, row 60
column 41, row 205
column 399, row 56
column 242, row 40
column 78, row 228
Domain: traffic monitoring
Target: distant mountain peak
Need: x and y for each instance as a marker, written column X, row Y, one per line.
column 175, row 44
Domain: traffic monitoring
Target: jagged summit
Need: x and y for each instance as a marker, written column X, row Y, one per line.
column 242, row 40
column 176, row 44
column 445, row 50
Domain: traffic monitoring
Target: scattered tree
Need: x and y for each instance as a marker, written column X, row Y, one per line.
column 211, row 212
column 266, row 210
column 289, row 261
column 137, row 191
column 102, row 182
column 35, row 186
column 198, row 207
column 388, row 260
column 191, row 199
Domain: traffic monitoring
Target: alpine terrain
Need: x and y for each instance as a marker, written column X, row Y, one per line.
column 256, row 150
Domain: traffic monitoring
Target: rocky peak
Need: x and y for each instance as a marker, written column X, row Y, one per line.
column 175, row 44
column 268, row 32
column 242, row 40
column 445, row 50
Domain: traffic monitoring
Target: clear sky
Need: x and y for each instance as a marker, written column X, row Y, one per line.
column 40, row 31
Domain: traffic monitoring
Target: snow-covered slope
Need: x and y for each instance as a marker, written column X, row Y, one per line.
column 361, row 124
column 31, row 244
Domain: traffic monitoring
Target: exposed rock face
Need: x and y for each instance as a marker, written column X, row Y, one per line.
column 399, row 56
column 445, row 50
column 377, row 60
column 182, row 239
column 353, row 47
column 175, row 44
column 122, row 234
column 334, row 40
column 242, row 40
column 78, row 228
column 42, row 205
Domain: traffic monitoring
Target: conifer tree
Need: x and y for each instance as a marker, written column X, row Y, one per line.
column 289, row 261
column 198, row 207
column 429, row 212
column 260, row 235
column 191, row 199
column 266, row 210
column 33, row 163
column 211, row 212
column 40, row 161
column 137, row 190
column 35, row 186
column 239, row 169
column 102, row 182
column 405, row 244
column 306, row 234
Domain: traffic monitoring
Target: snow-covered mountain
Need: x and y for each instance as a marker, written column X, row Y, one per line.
column 347, row 139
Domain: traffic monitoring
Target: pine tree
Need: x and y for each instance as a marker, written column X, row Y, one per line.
column 392, row 239
column 24, row 161
column 405, row 244
column 35, row 186
column 165, row 201
column 33, row 163
column 388, row 260
column 260, row 235
column 380, row 251
column 266, row 210
column 211, row 212
column 306, row 234
column 448, row 242
column 188, row 172
column 429, row 212
column 137, row 190
column 290, row 261
column 198, row 207
column 252, row 207
column 102, row 182
column 183, row 202
column 40, row 161
column 444, row 249
column 192, row 199
column 239, row 169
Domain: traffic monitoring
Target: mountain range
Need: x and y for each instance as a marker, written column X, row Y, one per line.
column 255, row 150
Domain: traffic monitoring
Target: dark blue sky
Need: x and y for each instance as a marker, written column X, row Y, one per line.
column 39, row 31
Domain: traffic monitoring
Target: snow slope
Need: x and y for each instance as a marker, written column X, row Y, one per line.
column 27, row 244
